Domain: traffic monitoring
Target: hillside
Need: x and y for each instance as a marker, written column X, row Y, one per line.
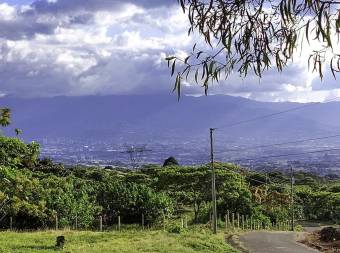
column 155, row 117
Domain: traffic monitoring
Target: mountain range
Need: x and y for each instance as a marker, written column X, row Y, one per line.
column 157, row 117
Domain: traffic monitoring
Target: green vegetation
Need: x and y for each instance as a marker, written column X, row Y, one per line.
column 35, row 191
column 115, row 242
column 5, row 116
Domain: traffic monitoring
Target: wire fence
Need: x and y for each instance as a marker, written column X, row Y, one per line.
column 230, row 221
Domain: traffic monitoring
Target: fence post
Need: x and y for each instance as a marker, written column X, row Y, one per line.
column 118, row 223
column 233, row 220
column 226, row 222
column 56, row 222
column 242, row 222
column 238, row 220
column 164, row 222
column 143, row 221
column 228, row 218
column 101, row 223
column 182, row 223
column 186, row 222
column 11, row 223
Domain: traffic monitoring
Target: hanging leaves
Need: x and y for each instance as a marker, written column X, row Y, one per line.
column 255, row 36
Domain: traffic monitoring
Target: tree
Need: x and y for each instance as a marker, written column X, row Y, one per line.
column 5, row 117
column 191, row 186
column 17, row 154
column 246, row 36
column 171, row 161
column 17, row 131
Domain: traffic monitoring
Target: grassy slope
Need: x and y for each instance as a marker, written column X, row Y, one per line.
column 131, row 241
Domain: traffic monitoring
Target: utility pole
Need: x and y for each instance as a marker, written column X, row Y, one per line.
column 213, row 182
column 292, row 196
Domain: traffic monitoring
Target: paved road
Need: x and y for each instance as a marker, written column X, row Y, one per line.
column 273, row 242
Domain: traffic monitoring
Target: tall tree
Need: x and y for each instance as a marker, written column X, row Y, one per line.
column 5, row 117
column 254, row 35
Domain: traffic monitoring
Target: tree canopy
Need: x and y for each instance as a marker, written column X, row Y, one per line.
column 252, row 36
column 5, row 117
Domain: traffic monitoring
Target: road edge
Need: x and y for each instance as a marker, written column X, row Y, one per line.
column 234, row 241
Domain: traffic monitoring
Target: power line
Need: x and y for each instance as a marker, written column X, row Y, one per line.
column 276, row 113
column 254, row 180
column 285, row 155
column 279, row 144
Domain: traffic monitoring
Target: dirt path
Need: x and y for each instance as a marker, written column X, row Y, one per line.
column 273, row 242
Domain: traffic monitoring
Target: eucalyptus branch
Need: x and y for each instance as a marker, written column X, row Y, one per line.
column 254, row 36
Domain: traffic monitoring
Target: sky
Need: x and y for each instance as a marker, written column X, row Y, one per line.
column 102, row 47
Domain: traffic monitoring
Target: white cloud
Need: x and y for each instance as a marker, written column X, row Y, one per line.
column 66, row 48
column 7, row 12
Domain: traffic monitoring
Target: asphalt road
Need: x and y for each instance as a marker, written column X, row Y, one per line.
column 273, row 242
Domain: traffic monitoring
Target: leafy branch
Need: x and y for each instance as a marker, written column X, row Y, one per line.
column 253, row 36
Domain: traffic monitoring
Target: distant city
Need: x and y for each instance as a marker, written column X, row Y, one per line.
column 108, row 153
column 129, row 131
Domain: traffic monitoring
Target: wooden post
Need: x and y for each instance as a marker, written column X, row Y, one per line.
column 118, row 223
column 238, row 220
column 213, row 183
column 226, row 221
column 243, row 222
column 164, row 222
column 251, row 223
column 10, row 223
column 143, row 221
column 228, row 218
column 101, row 223
column 233, row 220
column 56, row 222
column 182, row 223
column 186, row 221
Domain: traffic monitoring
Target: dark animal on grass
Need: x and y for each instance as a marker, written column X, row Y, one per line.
column 60, row 242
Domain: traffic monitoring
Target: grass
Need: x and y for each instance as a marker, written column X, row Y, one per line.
column 112, row 242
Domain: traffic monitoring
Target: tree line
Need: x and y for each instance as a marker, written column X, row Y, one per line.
column 34, row 190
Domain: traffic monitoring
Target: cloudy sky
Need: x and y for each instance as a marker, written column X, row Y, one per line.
column 89, row 47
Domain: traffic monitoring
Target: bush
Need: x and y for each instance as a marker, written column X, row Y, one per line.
column 177, row 229
column 15, row 153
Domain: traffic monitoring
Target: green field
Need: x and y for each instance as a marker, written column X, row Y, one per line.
column 109, row 242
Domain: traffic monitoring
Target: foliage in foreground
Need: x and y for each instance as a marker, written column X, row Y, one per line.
column 115, row 242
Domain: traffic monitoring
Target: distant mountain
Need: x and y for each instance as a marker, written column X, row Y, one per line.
column 158, row 118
